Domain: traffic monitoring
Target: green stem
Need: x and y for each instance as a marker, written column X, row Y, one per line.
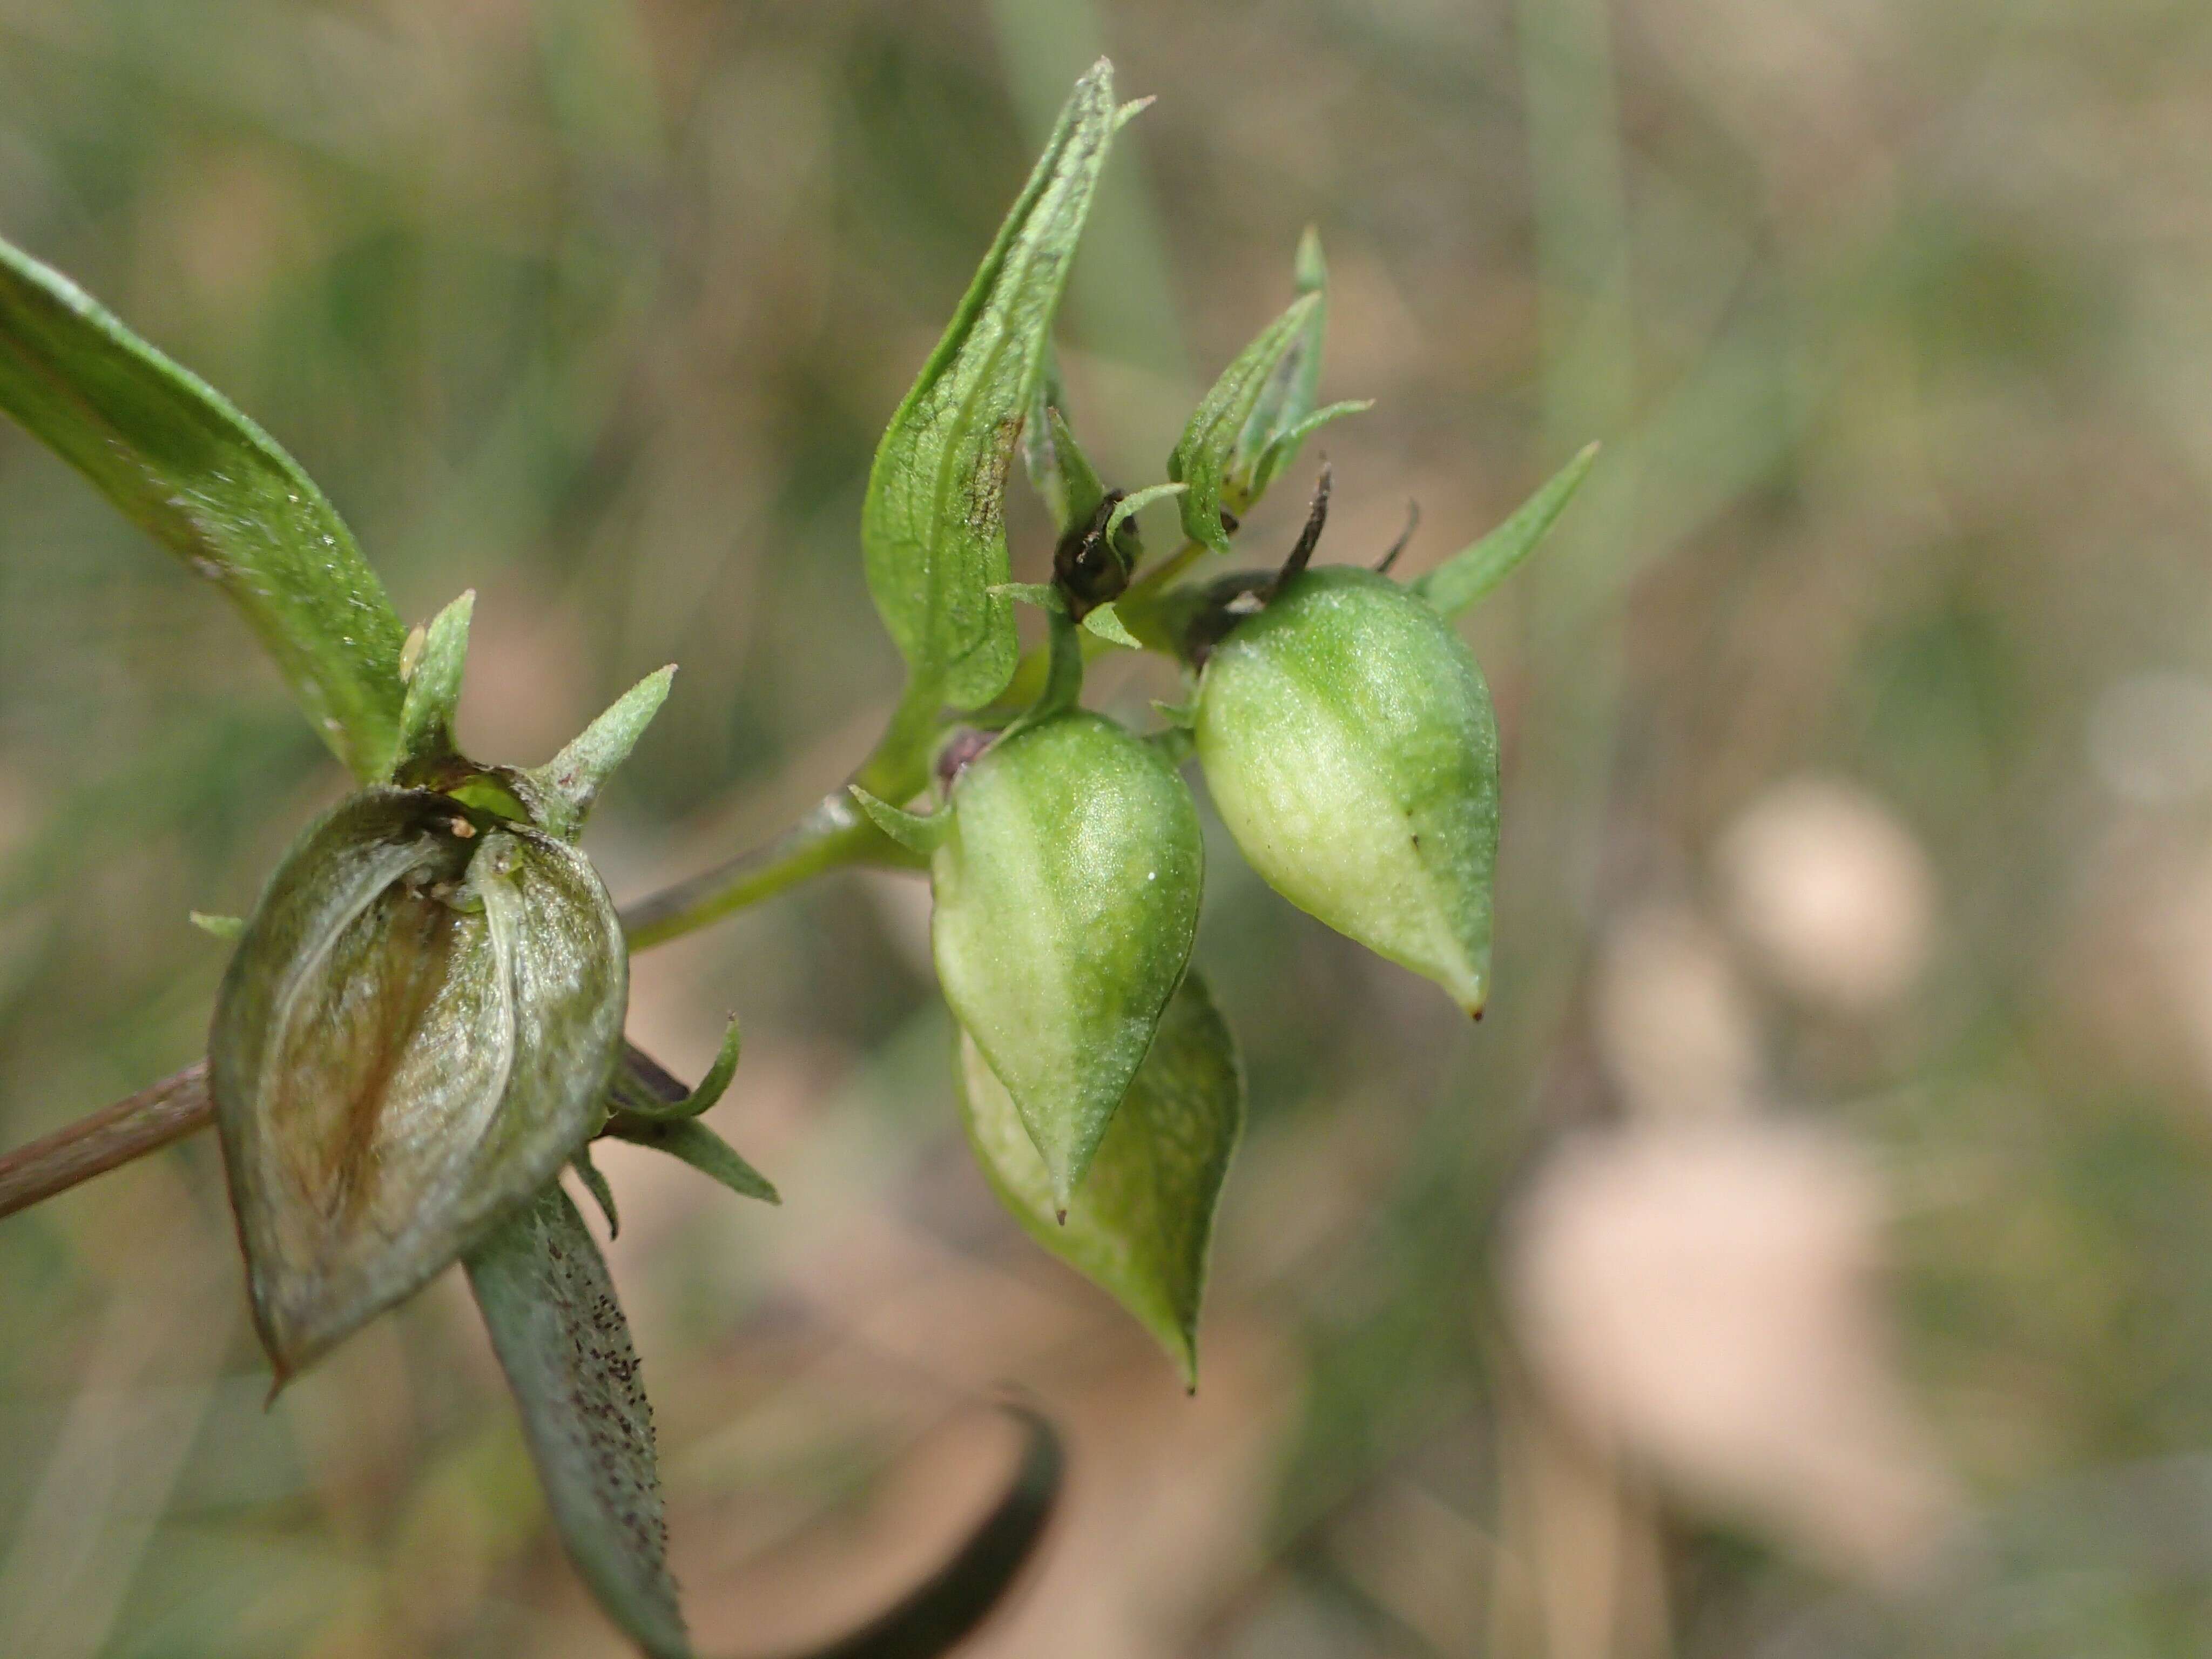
column 832, row 836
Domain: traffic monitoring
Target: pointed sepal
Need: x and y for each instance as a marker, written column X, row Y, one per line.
column 572, row 780
column 692, row 1142
column 918, row 832
column 644, row 1088
column 434, row 672
column 1106, row 623
column 1059, row 470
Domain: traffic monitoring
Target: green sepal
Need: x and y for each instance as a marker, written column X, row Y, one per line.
column 917, row 832
column 1106, row 623
column 1058, row 469
column 932, row 528
column 1182, row 714
column 1140, row 1226
column 181, row 463
column 414, row 1033
column 433, row 671
column 694, row 1143
column 1205, row 455
column 1284, row 450
column 643, row 1088
column 569, row 783
column 595, row 1183
column 1128, row 508
column 221, row 927
column 1467, row 576
column 562, row 1340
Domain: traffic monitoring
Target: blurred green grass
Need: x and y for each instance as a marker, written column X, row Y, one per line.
column 1896, row 322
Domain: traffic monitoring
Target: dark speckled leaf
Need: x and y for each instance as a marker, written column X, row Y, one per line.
column 415, row 1033
column 565, row 1347
column 197, row 475
column 1140, row 1223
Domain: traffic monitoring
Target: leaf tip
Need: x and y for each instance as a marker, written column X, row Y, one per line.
column 1310, row 270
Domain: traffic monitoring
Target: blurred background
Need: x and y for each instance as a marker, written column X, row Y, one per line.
column 1808, row 1257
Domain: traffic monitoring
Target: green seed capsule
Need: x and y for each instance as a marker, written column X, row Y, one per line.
column 1067, row 892
column 416, row 1032
column 1348, row 742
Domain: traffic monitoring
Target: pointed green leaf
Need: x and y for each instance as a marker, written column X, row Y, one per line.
column 433, row 672
column 644, row 1088
column 1139, row 1225
column 414, row 1033
column 562, row 1340
column 573, row 779
column 222, row 927
column 194, row 473
column 693, row 1142
column 1281, row 418
column 932, row 529
column 1465, row 577
column 1207, row 454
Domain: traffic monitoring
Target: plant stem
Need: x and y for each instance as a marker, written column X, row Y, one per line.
column 834, row 833
column 147, row 1122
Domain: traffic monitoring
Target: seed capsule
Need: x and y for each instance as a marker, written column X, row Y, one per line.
column 1348, row 742
column 1067, row 892
column 416, row 1032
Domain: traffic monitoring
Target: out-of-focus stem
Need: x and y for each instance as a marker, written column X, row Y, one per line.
column 162, row 1113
